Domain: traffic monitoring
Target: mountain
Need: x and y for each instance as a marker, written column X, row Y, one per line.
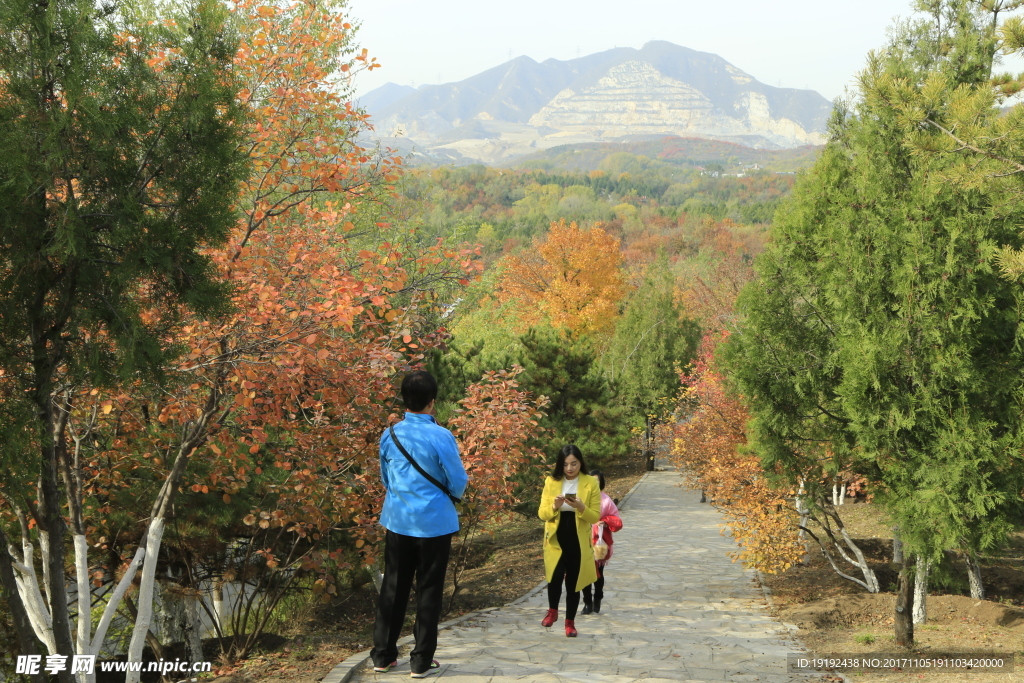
column 381, row 97
column 622, row 94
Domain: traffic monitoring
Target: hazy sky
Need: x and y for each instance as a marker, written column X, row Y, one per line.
column 819, row 44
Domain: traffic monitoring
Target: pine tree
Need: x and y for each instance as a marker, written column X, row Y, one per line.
column 583, row 408
column 653, row 341
column 878, row 331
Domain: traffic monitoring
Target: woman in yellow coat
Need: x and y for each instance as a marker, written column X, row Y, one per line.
column 569, row 505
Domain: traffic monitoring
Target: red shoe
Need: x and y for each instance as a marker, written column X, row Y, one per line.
column 549, row 618
column 570, row 628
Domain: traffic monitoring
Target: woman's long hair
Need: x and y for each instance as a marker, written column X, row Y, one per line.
column 559, row 472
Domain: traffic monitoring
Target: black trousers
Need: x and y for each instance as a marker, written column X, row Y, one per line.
column 568, row 568
column 598, row 587
column 406, row 557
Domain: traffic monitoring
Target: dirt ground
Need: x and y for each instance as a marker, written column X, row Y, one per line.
column 503, row 566
column 835, row 616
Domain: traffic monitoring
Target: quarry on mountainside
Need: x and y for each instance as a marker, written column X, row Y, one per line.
column 623, row 94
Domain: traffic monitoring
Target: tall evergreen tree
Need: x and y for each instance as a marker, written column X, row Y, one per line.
column 653, row 339
column 120, row 152
column 583, row 408
column 878, row 329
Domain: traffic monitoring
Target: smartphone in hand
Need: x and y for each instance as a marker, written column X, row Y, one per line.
column 570, row 496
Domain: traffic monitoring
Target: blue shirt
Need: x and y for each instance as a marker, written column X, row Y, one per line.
column 412, row 505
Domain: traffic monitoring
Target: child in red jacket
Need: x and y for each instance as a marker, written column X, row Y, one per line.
column 609, row 523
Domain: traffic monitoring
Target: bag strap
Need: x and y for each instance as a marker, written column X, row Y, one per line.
column 416, row 465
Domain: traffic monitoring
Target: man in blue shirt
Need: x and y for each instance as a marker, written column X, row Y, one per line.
column 420, row 519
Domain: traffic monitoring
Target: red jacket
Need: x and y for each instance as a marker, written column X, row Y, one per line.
column 612, row 523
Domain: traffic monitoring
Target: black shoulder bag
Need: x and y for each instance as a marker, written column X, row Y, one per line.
column 416, row 465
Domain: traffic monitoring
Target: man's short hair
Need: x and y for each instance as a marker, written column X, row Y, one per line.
column 418, row 390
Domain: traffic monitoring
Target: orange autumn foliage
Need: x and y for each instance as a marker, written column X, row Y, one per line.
column 495, row 426
column 302, row 131
column 707, row 447
column 572, row 278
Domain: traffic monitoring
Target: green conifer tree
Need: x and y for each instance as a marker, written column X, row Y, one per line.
column 583, row 408
column 878, row 329
column 653, row 340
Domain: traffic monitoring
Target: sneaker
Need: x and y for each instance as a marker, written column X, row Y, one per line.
column 549, row 618
column 434, row 666
column 570, row 628
column 386, row 668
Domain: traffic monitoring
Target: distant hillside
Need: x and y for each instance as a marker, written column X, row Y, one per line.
column 678, row 151
column 662, row 89
column 384, row 96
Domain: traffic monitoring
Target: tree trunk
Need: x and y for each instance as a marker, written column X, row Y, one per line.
column 22, row 626
column 154, row 535
column 193, row 626
column 648, row 451
column 52, row 527
column 377, row 572
column 84, row 594
column 923, row 568
column 193, row 436
column 974, row 577
column 115, row 599
column 151, row 639
column 801, row 509
column 218, row 603
column 31, row 595
column 897, row 546
column 904, row 625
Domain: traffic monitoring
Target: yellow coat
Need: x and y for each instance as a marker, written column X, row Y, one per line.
column 589, row 491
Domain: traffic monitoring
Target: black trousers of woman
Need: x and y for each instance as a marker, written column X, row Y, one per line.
column 568, row 568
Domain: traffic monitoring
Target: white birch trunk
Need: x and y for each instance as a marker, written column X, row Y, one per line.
column 861, row 563
column 153, row 538
column 805, row 515
column 84, row 619
column 39, row 617
column 218, row 604
column 921, row 590
column 974, row 577
column 842, row 494
column 29, row 555
column 801, row 509
column 835, row 494
column 32, row 596
column 108, row 612
column 897, row 546
column 82, row 641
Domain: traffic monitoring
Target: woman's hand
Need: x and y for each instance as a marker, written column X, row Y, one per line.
column 578, row 505
column 558, row 502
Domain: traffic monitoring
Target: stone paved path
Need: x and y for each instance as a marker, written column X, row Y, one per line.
column 675, row 609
